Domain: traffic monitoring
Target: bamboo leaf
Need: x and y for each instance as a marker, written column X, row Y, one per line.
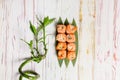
column 48, row 21
column 31, row 43
column 74, row 23
column 66, row 62
column 76, row 43
column 40, row 21
column 39, row 28
column 32, row 28
column 60, row 21
column 66, row 22
column 25, row 42
column 60, row 62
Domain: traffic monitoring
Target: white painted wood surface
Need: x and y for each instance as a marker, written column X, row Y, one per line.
column 99, row 36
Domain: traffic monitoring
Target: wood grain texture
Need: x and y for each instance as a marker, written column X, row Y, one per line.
column 99, row 38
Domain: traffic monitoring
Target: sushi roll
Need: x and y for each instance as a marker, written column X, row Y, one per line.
column 71, row 29
column 62, row 54
column 71, row 55
column 71, row 47
column 61, row 46
column 61, row 37
column 61, row 28
column 70, row 38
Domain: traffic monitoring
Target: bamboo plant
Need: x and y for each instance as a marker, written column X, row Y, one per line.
column 36, row 55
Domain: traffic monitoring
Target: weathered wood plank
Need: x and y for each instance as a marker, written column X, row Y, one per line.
column 87, row 39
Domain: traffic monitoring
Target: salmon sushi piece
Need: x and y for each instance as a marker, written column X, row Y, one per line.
column 61, row 46
column 61, row 37
column 71, row 47
column 61, row 28
column 71, row 55
column 70, row 38
column 71, row 29
column 62, row 54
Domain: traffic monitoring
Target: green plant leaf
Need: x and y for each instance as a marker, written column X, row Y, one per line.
column 32, row 28
column 39, row 20
column 28, row 43
column 48, row 21
column 51, row 20
column 76, row 43
column 25, row 42
column 60, row 21
column 66, row 62
column 31, row 43
column 66, row 22
column 60, row 62
column 74, row 23
column 39, row 28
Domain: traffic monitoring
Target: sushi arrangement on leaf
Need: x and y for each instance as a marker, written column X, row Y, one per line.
column 66, row 42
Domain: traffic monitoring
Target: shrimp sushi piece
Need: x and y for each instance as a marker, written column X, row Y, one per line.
column 62, row 54
column 71, row 47
column 61, row 46
column 61, row 37
column 61, row 28
column 70, row 38
column 71, row 29
column 71, row 55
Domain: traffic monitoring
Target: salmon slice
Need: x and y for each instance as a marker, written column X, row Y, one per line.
column 61, row 28
column 71, row 29
column 62, row 54
column 70, row 38
column 71, row 47
column 61, row 37
column 61, row 46
column 71, row 55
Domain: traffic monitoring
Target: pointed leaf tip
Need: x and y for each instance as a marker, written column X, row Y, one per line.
column 66, row 62
column 74, row 22
column 60, row 21
column 66, row 22
column 32, row 28
column 60, row 62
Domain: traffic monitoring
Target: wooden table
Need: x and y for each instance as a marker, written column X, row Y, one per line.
column 99, row 38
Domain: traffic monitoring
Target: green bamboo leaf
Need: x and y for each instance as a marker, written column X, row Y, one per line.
column 74, row 22
column 76, row 43
column 51, row 20
column 25, row 42
column 66, row 62
column 39, row 28
column 31, row 43
column 60, row 21
column 47, row 21
column 60, row 62
column 32, row 28
column 66, row 22
column 39, row 20
column 28, row 43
